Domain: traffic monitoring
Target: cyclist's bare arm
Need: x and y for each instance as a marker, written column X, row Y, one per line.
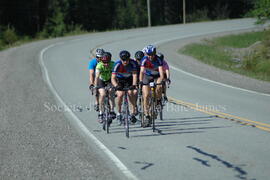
column 167, row 73
column 134, row 75
column 96, row 78
column 141, row 73
column 161, row 73
column 91, row 76
column 114, row 82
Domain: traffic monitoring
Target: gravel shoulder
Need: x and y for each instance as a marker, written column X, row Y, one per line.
column 35, row 143
column 194, row 66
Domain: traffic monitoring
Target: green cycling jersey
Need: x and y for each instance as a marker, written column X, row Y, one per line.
column 105, row 71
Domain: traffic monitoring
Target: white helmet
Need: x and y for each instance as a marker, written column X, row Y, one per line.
column 99, row 53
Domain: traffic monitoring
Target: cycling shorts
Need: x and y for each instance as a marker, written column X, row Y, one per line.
column 103, row 84
column 147, row 79
column 124, row 83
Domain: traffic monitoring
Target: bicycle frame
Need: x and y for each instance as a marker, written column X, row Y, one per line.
column 106, row 116
column 153, row 103
column 141, row 107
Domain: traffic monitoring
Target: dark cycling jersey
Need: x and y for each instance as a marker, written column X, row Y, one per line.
column 151, row 67
column 124, row 72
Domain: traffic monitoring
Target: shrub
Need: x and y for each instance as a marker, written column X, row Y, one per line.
column 10, row 36
column 199, row 15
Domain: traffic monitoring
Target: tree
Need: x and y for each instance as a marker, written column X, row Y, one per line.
column 262, row 10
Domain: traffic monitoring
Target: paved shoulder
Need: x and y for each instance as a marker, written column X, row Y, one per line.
column 37, row 142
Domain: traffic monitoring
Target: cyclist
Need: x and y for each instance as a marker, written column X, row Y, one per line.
column 166, row 71
column 151, row 70
column 91, row 67
column 103, row 79
column 125, row 76
column 138, row 57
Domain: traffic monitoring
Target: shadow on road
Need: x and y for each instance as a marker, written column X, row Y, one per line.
column 170, row 126
column 241, row 173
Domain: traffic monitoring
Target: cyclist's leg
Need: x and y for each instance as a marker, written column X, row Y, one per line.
column 146, row 93
column 120, row 95
column 101, row 91
column 159, row 89
column 112, row 97
column 132, row 100
column 102, row 95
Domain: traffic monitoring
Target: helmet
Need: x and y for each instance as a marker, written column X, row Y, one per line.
column 139, row 55
column 106, row 57
column 150, row 50
column 109, row 54
column 99, row 52
column 160, row 55
column 124, row 55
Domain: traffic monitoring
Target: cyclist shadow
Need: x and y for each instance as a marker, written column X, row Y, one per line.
column 172, row 126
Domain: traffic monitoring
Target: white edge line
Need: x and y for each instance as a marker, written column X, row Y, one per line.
column 205, row 79
column 79, row 124
column 215, row 82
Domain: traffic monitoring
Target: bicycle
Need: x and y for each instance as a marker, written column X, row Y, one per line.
column 140, row 106
column 106, row 118
column 153, row 104
column 125, row 111
column 163, row 100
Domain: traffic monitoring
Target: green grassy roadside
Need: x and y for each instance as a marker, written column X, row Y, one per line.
column 247, row 54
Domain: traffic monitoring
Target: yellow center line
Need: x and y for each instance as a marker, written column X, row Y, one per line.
column 221, row 114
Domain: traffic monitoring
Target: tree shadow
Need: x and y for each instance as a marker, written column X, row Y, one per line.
column 241, row 173
column 146, row 164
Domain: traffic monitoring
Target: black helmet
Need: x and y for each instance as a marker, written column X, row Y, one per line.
column 139, row 55
column 108, row 53
column 124, row 55
column 161, row 56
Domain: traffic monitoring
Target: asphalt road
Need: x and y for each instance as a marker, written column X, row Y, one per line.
column 190, row 144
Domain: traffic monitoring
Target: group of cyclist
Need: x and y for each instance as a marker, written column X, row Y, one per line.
column 127, row 73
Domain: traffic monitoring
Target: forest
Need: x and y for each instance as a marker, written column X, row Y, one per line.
column 53, row 18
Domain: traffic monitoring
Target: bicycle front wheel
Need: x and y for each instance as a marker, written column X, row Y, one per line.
column 153, row 114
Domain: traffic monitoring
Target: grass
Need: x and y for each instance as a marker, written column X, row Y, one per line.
column 241, row 40
column 221, row 52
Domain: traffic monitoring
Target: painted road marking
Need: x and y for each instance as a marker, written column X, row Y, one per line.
column 243, row 121
column 78, row 123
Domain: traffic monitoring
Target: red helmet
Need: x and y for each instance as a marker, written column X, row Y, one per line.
column 106, row 58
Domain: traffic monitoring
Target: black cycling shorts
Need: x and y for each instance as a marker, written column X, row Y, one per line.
column 102, row 84
column 124, row 83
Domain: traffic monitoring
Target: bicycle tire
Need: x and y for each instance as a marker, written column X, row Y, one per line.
column 126, row 116
column 161, row 109
column 141, row 111
column 107, row 119
column 153, row 110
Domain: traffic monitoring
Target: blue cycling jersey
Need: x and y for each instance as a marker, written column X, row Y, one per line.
column 92, row 64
